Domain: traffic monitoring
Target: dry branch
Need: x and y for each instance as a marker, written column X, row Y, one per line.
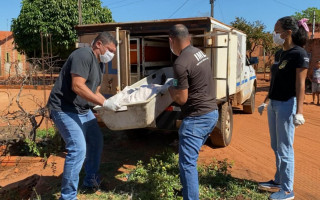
column 23, row 123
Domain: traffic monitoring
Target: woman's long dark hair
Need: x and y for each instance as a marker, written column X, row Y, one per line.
column 299, row 34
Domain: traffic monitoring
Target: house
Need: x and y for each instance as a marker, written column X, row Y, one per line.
column 313, row 45
column 316, row 31
column 12, row 63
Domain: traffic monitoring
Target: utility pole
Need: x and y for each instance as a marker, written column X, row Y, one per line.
column 80, row 12
column 313, row 23
column 212, row 7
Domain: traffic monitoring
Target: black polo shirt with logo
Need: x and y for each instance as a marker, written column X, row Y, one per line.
column 283, row 72
column 193, row 72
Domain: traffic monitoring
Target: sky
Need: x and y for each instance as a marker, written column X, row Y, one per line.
column 226, row 11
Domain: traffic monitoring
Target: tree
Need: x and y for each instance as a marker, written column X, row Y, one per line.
column 57, row 18
column 256, row 36
column 255, row 33
column 308, row 13
column 269, row 47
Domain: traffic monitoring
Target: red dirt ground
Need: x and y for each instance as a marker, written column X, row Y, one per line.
column 249, row 150
column 252, row 154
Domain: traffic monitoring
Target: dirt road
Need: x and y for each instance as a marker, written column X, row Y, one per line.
column 252, row 155
column 249, row 150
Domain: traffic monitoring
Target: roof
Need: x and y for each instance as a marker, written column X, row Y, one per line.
column 152, row 26
column 5, row 34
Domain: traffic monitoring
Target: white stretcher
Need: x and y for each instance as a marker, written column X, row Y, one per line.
column 139, row 114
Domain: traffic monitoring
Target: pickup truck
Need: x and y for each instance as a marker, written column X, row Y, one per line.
column 143, row 56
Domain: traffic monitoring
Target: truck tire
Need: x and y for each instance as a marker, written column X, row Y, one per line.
column 222, row 133
column 248, row 106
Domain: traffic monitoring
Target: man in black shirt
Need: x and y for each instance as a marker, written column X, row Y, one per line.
column 194, row 93
column 79, row 83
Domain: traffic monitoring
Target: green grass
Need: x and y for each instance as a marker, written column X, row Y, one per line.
column 217, row 183
column 158, row 179
column 43, row 133
column 47, row 142
column 154, row 178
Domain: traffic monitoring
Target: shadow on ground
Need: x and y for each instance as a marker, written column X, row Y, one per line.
column 121, row 153
column 123, row 149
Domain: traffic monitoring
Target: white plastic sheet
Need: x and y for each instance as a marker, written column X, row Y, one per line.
column 134, row 95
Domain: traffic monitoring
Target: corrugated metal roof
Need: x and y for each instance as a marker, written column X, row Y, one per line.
column 152, row 26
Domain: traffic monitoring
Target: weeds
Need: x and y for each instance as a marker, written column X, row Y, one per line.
column 156, row 179
column 216, row 183
column 159, row 179
column 32, row 146
column 47, row 143
column 44, row 134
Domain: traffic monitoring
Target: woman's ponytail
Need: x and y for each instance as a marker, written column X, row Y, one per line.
column 299, row 29
column 301, row 36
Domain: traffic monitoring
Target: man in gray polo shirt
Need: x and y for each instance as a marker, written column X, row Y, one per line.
column 194, row 93
column 79, row 83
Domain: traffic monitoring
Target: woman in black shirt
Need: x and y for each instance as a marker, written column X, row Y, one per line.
column 286, row 95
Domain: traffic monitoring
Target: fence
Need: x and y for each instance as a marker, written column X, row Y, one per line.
column 38, row 72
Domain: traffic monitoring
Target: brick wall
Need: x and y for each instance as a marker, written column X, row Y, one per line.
column 316, row 31
column 16, row 63
column 313, row 47
column 263, row 60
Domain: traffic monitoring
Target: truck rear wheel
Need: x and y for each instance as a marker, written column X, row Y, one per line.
column 248, row 106
column 222, row 133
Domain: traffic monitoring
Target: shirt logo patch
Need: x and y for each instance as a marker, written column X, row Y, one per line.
column 175, row 82
column 283, row 64
column 200, row 55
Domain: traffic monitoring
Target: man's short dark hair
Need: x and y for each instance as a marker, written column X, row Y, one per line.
column 179, row 31
column 105, row 38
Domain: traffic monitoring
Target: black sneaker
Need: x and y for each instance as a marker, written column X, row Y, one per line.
column 269, row 186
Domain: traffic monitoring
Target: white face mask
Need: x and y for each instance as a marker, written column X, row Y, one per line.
column 277, row 39
column 172, row 50
column 106, row 57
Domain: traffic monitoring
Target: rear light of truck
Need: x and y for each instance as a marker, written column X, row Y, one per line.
column 173, row 108
column 170, row 108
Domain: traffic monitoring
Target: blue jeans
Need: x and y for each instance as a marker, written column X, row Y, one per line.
column 281, row 128
column 193, row 133
column 84, row 143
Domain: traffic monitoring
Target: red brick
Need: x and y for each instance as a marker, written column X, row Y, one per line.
column 7, row 45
